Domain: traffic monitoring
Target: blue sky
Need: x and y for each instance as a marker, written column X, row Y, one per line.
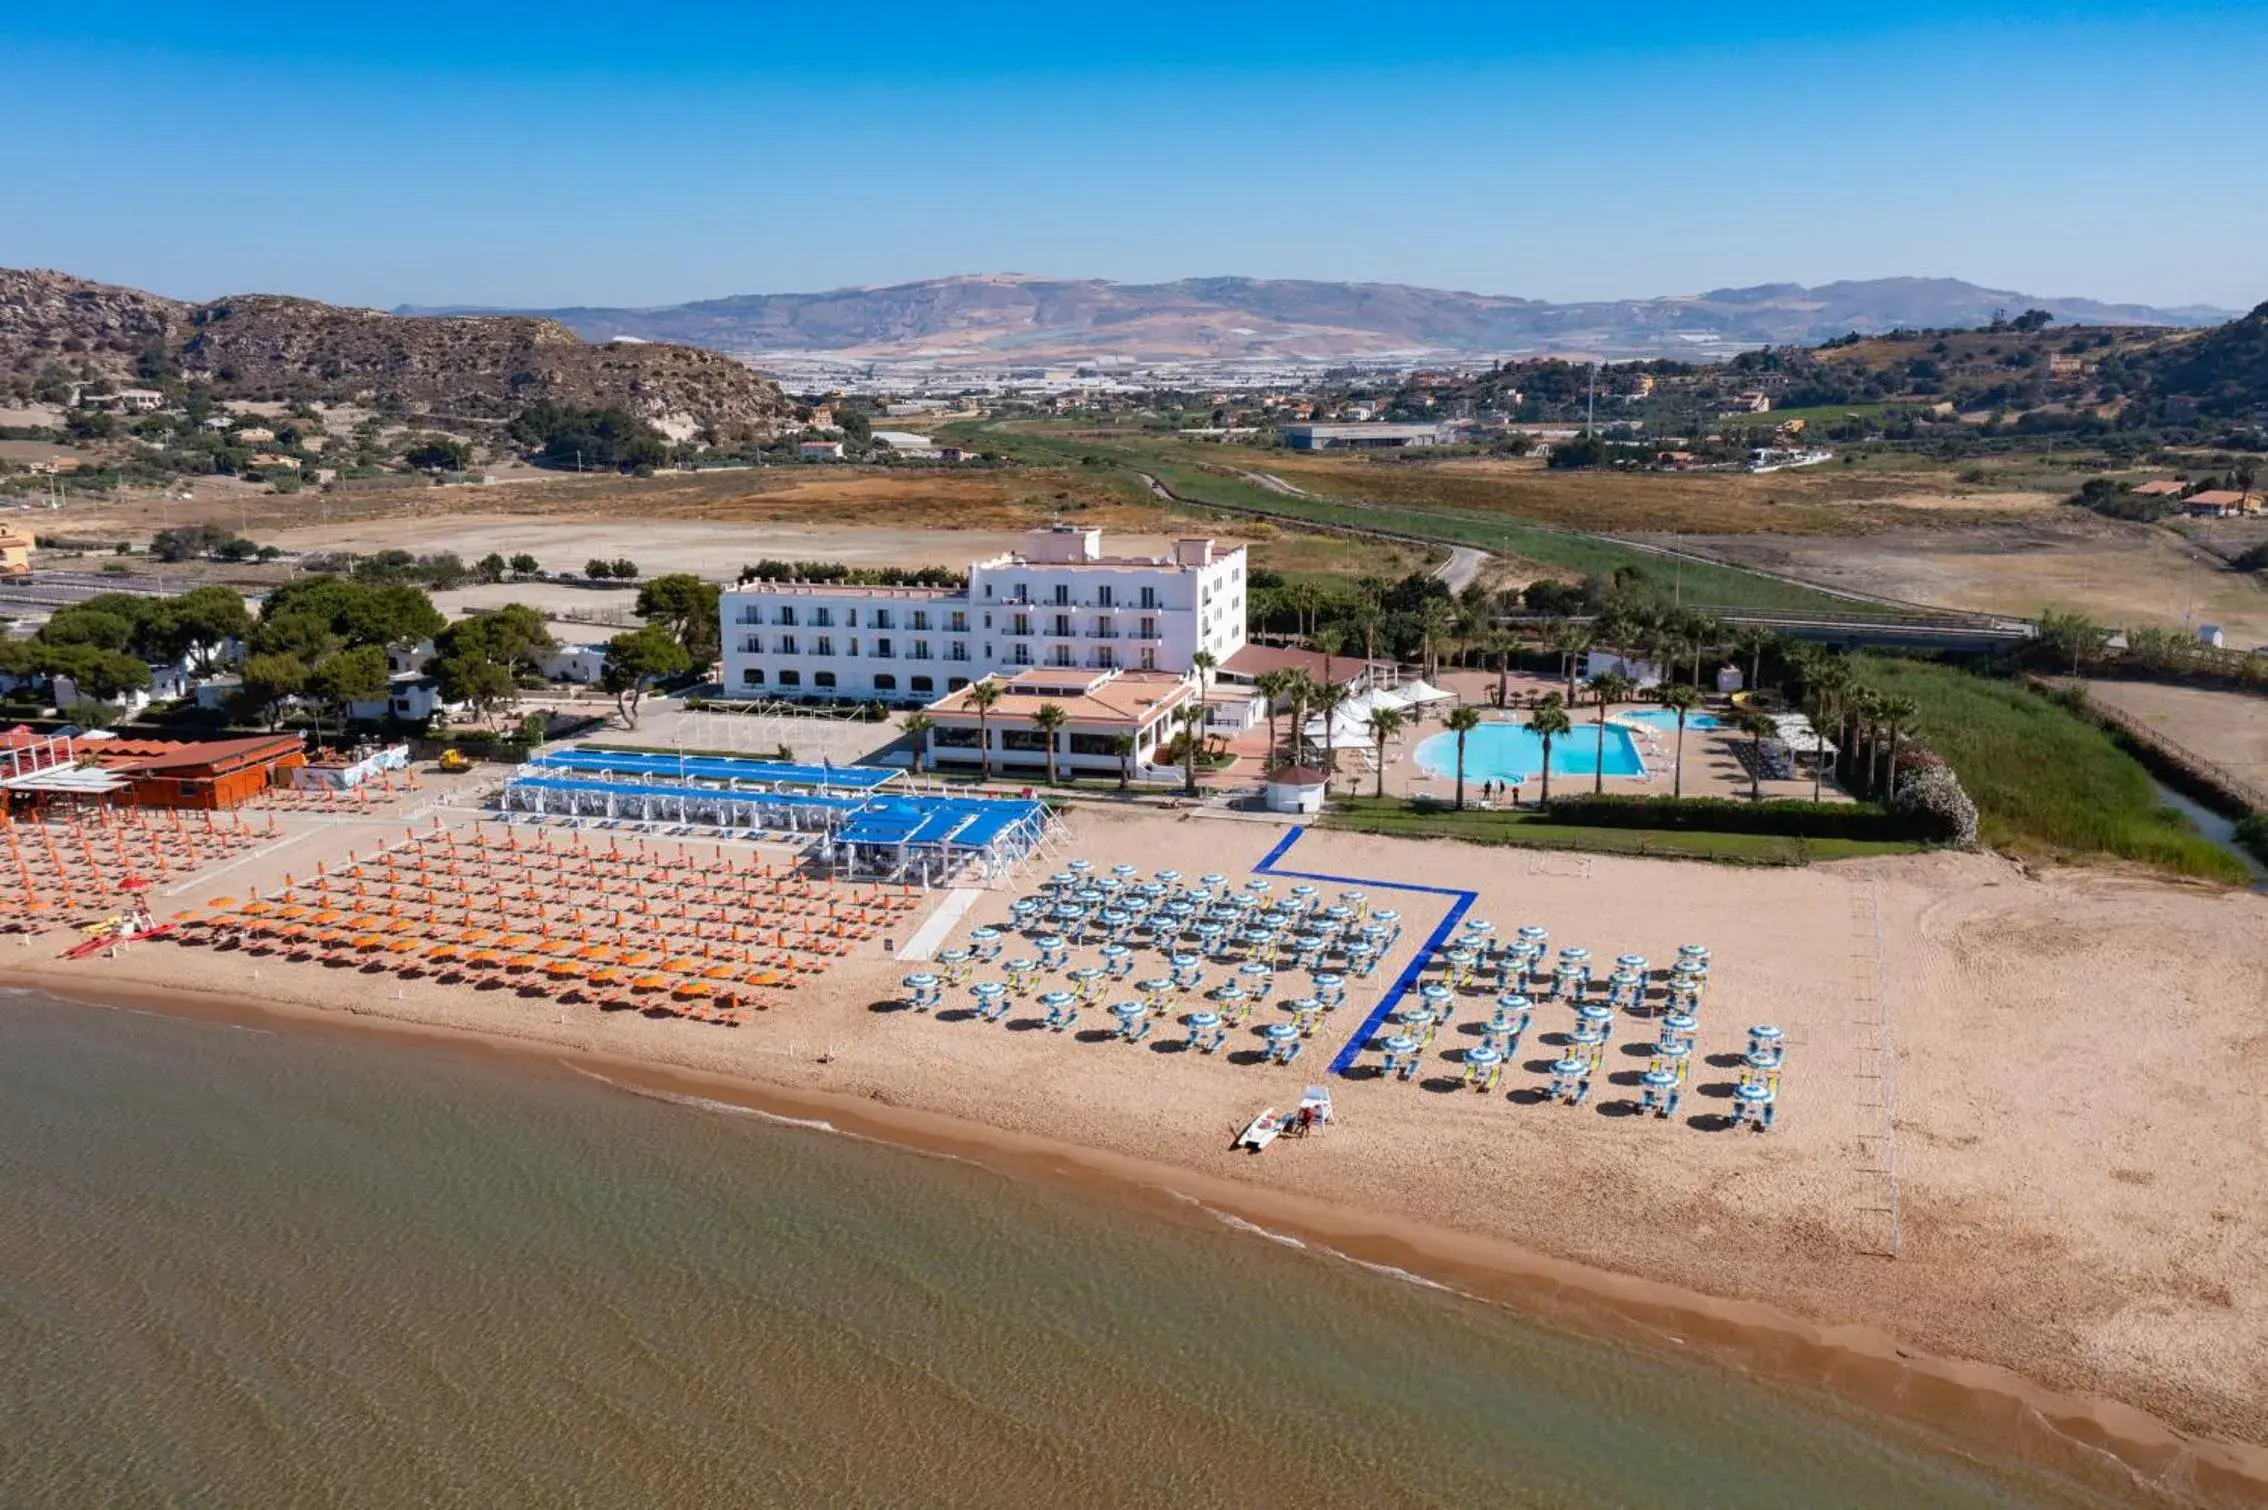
column 622, row 154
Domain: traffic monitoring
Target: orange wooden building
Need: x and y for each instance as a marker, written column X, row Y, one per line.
column 216, row 773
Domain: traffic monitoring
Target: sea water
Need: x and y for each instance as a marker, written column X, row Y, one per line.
column 249, row 1268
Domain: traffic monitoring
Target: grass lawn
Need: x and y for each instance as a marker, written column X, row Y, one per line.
column 1392, row 816
column 2046, row 782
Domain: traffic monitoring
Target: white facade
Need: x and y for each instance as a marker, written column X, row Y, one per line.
column 1059, row 602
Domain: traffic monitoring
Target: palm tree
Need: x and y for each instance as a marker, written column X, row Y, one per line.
column 1550, row 721
column 1681, row 700
column 1437, row 628
column 1366, row 624
column 1331, row 639
column 1826, row 681
column 1306, row 599
column 1462, row 721
column 1328, row 700
column 1610, row 687
column 1898, row 713
column 1272, row 685
column 1124, row 746
column 917, row 727
column 1299, row 690
column 981, row 697
column 1048, row 718
column 1383, row 724
column 1201, row 666
column 1752, row 641
column 1502, row 642
column 1570, row 639
column 1191, row 717
column 1758, row 728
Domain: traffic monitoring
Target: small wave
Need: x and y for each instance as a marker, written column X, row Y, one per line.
column 708, row 1104
column 1391, row 1271
column 1238, row 1224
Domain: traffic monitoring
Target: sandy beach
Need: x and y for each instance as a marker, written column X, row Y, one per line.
column 2051, row 1079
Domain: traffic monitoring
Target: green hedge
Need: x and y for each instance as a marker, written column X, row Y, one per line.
column 2252, row 833
column 1724, row 815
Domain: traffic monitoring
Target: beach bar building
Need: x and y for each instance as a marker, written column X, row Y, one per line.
column 213, row 774
column 1099, row 708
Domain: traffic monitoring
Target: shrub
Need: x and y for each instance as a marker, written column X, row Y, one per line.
column 1723, row 815
column 1931, row 792
column 2252, row 833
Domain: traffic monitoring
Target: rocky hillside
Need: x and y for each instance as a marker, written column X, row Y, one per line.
column 467, row 366
column 1010, row 318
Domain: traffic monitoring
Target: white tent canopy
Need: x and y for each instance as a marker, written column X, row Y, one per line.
column 1796, row 732
column 1422, row 691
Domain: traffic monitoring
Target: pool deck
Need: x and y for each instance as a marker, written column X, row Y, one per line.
column 1711, row 768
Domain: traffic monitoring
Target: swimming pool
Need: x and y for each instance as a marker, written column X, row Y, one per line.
column 1666, row 721
column 1502, row 752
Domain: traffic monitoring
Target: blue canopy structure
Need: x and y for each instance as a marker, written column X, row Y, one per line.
column 725, row 768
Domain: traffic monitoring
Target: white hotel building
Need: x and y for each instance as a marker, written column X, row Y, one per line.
column 1058, row 603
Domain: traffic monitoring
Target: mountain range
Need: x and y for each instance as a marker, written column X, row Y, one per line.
column 272, row 347
column 1018, row 320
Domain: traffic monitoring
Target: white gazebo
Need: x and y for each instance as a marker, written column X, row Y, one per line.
column 1294, row 789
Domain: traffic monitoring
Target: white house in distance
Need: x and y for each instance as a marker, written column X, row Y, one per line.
column 1058, row 603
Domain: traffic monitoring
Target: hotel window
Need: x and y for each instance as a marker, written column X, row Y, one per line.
column 1063, row 623
column 879, row 619
column 918, row 651
column 883, row 652
column 957, row 622
column 752, row 676
column 1149, row 597
column 823, row 645
column 1020, row 654
column 752, row 613
column 920, row 619
column 787, row 644
column 1149, row 660
column 1020, row 624
column 822, row 678
column 791, row 678
column 922, row 684
column 787, row 614
column 1059, row 655
column 1105, row 658
column 822, row 618
column 751, row 644
column 850, row 621
column 955, row 684
column 885, row 682
column 1021, row 592
column 1103, row 596
column 958, row 650
column 1062, row 592
column 1149, row 629
column 1105, row 630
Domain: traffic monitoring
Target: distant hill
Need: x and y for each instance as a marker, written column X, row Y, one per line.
column 1015, row 319
column 272, row 347
column 2224, row 370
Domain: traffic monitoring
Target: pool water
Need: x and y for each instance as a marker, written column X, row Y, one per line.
column 1506, row 752
column 1666, row 721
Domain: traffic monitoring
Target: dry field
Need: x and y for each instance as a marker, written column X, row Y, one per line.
column 1814, row 500
column 2230, row 729
column 2119, row 573
column 715, row 522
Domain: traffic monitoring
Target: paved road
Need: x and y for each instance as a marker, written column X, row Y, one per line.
column 1463, row 565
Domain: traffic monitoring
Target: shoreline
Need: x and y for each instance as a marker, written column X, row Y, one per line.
column 1973, row 1406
